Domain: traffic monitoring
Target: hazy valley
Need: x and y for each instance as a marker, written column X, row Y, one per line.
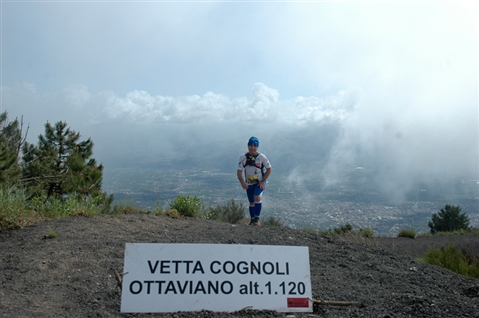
column 302, row 200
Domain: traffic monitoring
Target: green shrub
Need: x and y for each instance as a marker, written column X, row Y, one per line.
column 338, row 231
column 75, row 206
column 125, row 207
column 470, row 230
column 328, row 232
column 272, row 221
column 407, row 233
column 17, row 210
column 473, row 230
column 157, row 209
column 52, row 233
column 187, row 206
column 14, row 210
column 425, row 234
column 52, row 207
column 173, row 214
column 48, row 208
column 366, row 232
column 451, row 258
column 344, row 229
column 232, row 212
column 347, row 231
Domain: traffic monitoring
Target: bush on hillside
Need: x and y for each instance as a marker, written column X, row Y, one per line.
column 451, row 258
column 366, row 232
column 173, row 214
column 17, row 211
column 232, row 212
column 341, row 231
column 469, row 230
column 272, row 221
column 344, row 229
column 187, row 206
column 407, row 233
column 125, row 207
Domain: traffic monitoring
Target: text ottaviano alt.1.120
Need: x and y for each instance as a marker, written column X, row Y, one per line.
column 217, row 277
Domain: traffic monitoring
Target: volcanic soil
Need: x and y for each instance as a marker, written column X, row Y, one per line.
column 75, row 274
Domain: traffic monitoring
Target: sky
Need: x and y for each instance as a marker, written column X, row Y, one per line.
column 399, row 79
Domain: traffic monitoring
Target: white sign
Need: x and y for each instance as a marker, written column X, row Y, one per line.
column 194, row 277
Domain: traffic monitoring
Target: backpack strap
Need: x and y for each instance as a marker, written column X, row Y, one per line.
column 250, row 160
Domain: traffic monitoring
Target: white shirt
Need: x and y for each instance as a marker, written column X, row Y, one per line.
column 254, row 174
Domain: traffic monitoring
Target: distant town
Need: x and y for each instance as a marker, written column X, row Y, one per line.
column 299, row 204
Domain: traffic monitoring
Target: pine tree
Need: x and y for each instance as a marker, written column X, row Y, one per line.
column 61, row 165
column 448, row 219
column 10, row 143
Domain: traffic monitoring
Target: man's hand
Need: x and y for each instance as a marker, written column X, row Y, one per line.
column 244, row 185
column 262, row 185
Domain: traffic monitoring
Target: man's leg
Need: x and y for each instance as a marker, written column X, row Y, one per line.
column 252, row 212
column 257, row 209
column 252, row 207
column 258, row 204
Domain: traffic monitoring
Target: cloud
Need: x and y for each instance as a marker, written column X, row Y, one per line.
column 142, row 108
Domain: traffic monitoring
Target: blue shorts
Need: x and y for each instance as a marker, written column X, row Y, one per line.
column 252, row 191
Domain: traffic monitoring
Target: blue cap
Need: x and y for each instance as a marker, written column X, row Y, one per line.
column 253, row 141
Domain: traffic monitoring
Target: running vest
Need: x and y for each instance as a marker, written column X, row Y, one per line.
column 251, row 161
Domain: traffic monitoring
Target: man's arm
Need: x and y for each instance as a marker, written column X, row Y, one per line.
column 267, row 173
column 239, row 174
column 262, row 183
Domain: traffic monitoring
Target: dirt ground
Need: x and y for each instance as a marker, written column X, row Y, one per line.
column 73, row 275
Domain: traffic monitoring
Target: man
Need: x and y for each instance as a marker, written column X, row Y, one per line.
column 256, row 169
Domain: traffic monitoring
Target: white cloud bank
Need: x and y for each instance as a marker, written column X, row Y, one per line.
column 140, row 107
